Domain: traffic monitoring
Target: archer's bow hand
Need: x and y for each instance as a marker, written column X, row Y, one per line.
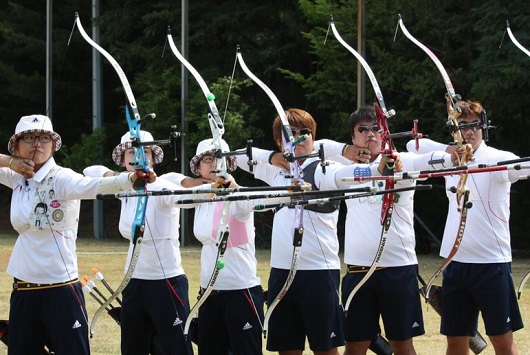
column 390, row 165
column 149, row 176
column 277, row 159
column 222, row 183
column 463, row 154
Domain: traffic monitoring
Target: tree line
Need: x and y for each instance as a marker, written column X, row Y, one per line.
column 288, row 45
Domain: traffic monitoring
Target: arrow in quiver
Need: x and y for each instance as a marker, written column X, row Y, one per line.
column 90, row 287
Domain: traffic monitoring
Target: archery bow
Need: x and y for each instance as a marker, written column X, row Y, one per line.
column 461, row 190
column 289, row 144
column 140, row 163
column 217, row 129
column 527, row 52
column 387, row 149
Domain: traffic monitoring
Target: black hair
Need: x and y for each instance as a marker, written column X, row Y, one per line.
column 361, row 115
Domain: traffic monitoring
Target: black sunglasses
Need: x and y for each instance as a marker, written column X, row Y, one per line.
column 301, row 132
column 364, row 129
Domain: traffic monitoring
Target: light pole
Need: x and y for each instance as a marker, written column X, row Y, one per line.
column 183, row 122
column 49, row 57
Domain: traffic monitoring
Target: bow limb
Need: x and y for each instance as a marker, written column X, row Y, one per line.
column 521, row 286
column 387, row 149
column 461, row 190
column 515, row 41
column 298, row 227
column 287, row 135
column 216, row 124
column 217, row 129
column 140, row 163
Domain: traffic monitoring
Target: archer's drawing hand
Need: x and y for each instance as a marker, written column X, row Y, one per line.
column 24, row 167
column 358, row 154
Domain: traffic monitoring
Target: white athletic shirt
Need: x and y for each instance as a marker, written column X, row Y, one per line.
column 159, row 256
column 240, row 264
column 43, row 256
column 240, row 261
column 487, row 234
column 320, row 246
column 363, row 220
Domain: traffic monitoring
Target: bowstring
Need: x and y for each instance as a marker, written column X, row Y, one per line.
column 229, row 89
column 229, row 242
column 487, row 214
column 170, row 288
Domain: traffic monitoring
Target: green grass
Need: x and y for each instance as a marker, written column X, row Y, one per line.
column 109, row 257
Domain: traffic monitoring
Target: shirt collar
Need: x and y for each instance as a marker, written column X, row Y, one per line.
column 44, row 170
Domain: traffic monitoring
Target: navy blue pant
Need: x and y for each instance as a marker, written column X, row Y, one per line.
column 153, row 316
column 55, row 317
column 230, row 322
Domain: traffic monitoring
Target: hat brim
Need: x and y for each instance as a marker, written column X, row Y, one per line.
column 117, row 153
column 57, row 141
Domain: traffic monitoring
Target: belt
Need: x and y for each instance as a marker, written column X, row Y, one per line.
column 26, row 286
column 354, row 269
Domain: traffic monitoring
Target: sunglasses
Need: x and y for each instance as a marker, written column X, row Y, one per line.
column 301, row 132
column 364, row 129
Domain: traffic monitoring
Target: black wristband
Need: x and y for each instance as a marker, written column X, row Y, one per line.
column 344, row 149
column 270, row 157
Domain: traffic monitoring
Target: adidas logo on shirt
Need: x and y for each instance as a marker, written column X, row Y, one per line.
column 415, row 325
column 247, row 326
column 508, row 320
column 177, row 322
column 332, row 335
column 76, row 325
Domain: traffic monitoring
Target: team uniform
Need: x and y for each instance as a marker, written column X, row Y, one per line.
column 231, row 318
column 392, row 291
column 479, row 276
column 318, row 273
column 155, row 302
column 47, row 303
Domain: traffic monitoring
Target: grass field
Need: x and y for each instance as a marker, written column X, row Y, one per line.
column 109, row 257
